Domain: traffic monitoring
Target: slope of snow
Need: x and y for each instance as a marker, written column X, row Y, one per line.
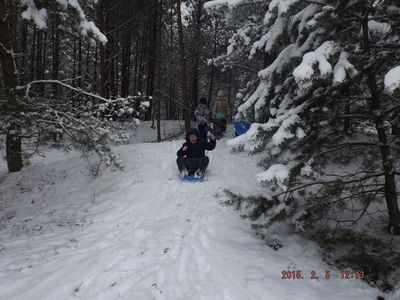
column 144, row 234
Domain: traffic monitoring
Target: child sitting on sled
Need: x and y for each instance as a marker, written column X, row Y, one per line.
column 191, row 156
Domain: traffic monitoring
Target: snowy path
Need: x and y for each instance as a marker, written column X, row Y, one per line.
column 144, row 234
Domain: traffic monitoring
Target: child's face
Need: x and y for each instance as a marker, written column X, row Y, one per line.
column 193, row 138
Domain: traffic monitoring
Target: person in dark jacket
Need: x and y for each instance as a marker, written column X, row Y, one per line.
column 191, row 156
column 202, row 116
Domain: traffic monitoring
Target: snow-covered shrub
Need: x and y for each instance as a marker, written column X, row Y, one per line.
column 70, row 123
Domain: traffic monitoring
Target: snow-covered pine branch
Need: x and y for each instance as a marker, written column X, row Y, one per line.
column 40, row 17
column 313, row 91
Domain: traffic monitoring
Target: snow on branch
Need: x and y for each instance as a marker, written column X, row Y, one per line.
column 39, row 17
column 281, row 5
column 318, row 58
column 277, row 174
column 392, row 79
column 86, row 26
column 343, row 68
column 279, row 130
column 378, row 28
column 29, row 86
column 230, row 4
column 220, row 3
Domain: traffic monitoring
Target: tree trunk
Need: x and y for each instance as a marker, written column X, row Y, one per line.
column 387, row 160
column 229, row 118
column 23, row 64
column 136, row 68
column 103, row 15
column 33, row 51
column 13, row 139
column 96, row 57
column 87, row 70
column 196, row 59
column 142, row 59
column 56, row 54
column 126, row 56
column 80, row 61
column 157, row 66
column 182, row 53
column 171, row 63
column 210, row 89
column 74, row 65
column 40, row 56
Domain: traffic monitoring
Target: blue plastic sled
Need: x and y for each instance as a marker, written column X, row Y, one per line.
column 192, row 178
column 241, row 127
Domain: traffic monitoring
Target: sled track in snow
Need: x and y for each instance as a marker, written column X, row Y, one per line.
column 147, row 235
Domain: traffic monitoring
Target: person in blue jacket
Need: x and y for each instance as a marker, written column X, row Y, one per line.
column 191, row 156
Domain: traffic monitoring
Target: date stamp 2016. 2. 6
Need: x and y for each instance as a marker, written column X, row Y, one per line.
column 327, row 274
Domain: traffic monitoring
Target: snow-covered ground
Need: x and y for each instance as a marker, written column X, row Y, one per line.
column 144, row 234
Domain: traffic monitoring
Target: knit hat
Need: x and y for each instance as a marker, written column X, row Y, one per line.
column 192, row 131
column 220, row 116
column 220, row 93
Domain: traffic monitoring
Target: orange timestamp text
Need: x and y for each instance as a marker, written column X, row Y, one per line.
column 327, row 274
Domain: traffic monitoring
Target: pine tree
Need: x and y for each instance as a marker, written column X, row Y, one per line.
column 322, row 93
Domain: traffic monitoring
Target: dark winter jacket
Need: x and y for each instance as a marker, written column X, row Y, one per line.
column 198, row 149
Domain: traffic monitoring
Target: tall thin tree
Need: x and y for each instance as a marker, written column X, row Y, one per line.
column 182, row 54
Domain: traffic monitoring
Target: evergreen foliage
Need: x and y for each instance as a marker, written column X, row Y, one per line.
column 322, row 112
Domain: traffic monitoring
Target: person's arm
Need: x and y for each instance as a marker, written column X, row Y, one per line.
column 182, row 151
column 211, row 144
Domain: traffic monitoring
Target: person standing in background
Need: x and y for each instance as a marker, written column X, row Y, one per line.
column 202, row 116
column 220, row 114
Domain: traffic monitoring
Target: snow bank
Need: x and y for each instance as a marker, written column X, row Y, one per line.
column 392, row 79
